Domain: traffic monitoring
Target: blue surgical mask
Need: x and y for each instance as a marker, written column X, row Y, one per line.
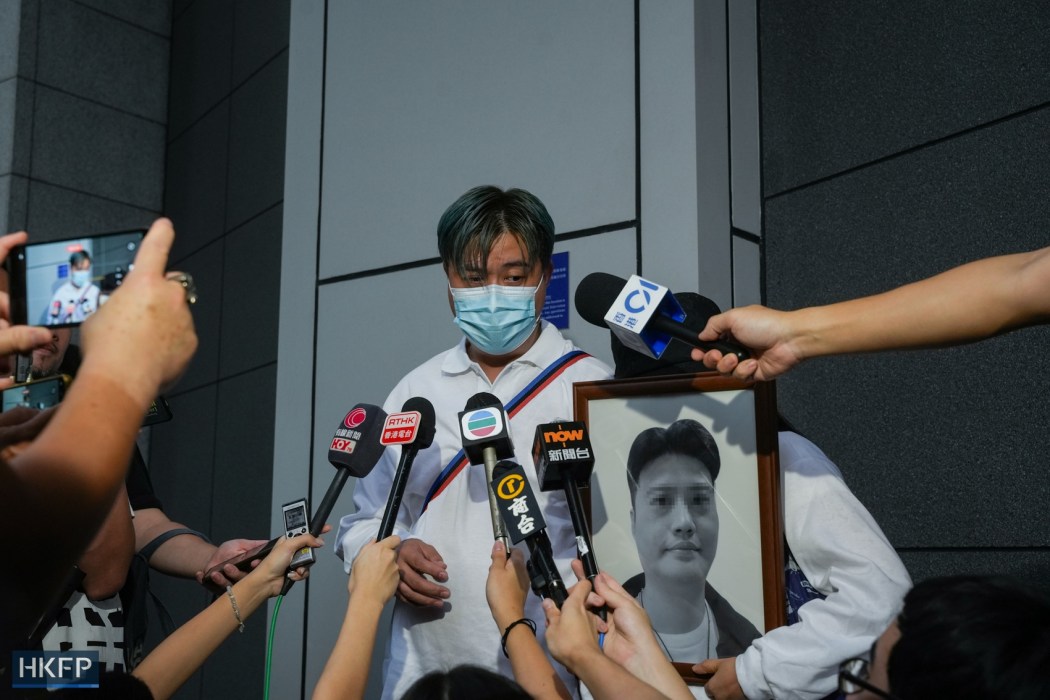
column 81, row 277
column 495, row 318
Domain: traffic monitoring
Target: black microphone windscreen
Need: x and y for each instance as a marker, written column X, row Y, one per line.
column 595, row 295
column 482, row 399
column 356, row 445
column 427, row 421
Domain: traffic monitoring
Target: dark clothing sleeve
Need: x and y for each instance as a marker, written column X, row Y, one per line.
column 140, row 488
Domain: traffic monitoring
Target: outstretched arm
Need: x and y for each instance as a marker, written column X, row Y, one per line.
column 373, row 581
column 969, row 302
column 506, row 589
column 168, row 666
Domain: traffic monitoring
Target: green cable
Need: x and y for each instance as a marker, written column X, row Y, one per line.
column 269, row 645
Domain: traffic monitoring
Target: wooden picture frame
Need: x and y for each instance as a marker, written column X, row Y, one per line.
column 746, row 570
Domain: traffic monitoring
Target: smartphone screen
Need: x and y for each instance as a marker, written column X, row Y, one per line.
column 40, row 393
column 61, row 283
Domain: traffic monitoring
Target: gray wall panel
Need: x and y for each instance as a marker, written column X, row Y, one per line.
column 847, row 83
column 414, row 118
column 260, row 32
column 85, row 146
column 940, row 444
column 201, row 61
column 57, row 212
column 91, row 54
column 195, row 182
column 152, row 15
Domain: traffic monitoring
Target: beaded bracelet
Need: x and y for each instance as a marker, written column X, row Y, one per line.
column 522, row 621
column 236, row 610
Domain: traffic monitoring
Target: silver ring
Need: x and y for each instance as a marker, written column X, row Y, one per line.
column 186, row 280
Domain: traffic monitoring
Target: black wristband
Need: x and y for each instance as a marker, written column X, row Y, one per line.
column 522, row 621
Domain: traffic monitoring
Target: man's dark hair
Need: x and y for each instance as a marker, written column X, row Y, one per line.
column 470, row 226
column 464, row 681
column 972, row 637
column 78, row 257
column 683, row 437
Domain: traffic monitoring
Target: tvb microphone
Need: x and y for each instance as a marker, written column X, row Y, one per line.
column 564, row 460
column 486, row 439
column 521, row 513
column 644, row 315
column 413, row 428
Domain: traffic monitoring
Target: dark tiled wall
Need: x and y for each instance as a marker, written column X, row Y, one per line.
column 224, row 190
column 82, row 130
column 901, row 139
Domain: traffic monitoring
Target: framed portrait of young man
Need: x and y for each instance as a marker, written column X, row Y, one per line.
column 685, row 509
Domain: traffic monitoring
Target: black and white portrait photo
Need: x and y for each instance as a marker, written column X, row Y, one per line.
column 677, row 498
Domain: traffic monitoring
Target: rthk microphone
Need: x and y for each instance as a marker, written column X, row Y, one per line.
column 521, row 514
column 564, row 460
column 413, row 428
column 644, row 315
column 486, row 439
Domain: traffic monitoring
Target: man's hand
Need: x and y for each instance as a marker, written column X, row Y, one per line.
column 723, row 685
column 15, row 339
column 19, row 425
column 415, row 560
column 220, row 578
column 768, row 334
column 143, row 335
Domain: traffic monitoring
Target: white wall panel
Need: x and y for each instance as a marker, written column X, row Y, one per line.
column 425, row 100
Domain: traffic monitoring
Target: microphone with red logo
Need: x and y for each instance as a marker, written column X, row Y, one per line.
column 521, row 514
column 486, row 439
column 354, row 451
column 413, row 428
column 644, row 315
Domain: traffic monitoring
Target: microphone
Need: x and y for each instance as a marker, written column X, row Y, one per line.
column 486, row 439
column 564, row 459
column 355, row 449
column 645, row 316
column 413, row 428
column 524, row 521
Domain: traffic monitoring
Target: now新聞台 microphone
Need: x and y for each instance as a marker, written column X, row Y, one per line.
column 413, row 428
column 564, row 460
column 354, row 451
column 645, row 316
column 486, row 439
column 521, row 514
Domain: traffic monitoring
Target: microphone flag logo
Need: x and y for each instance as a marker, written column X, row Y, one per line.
column 482, row 423
column 401, row 428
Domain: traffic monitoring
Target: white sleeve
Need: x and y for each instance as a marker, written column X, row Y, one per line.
column 844, row 554
column 370, row 497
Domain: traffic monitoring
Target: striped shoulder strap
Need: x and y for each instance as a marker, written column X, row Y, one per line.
column 542, row 380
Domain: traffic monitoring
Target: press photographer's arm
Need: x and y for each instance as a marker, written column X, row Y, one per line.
column 59, row 489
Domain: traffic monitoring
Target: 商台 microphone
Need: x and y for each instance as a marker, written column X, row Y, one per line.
column 521, row 513
column 486, row 439
column 645, row 316
column 413, row 428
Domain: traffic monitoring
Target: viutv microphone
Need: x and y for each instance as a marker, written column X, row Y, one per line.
column 564, row 460
column 413, row 428
column 644, row 315
column 486, row 439
column 521, row 513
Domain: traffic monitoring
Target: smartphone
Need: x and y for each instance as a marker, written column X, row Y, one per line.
column 61, row 283
column 39, row 393
column 297, row 522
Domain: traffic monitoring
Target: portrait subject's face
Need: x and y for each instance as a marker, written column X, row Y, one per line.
column 674, row 521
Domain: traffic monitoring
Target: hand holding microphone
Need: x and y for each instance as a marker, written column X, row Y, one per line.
column 486, row 439
column 645, row 316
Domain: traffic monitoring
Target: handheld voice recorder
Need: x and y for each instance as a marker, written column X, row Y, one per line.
column 297, row 522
